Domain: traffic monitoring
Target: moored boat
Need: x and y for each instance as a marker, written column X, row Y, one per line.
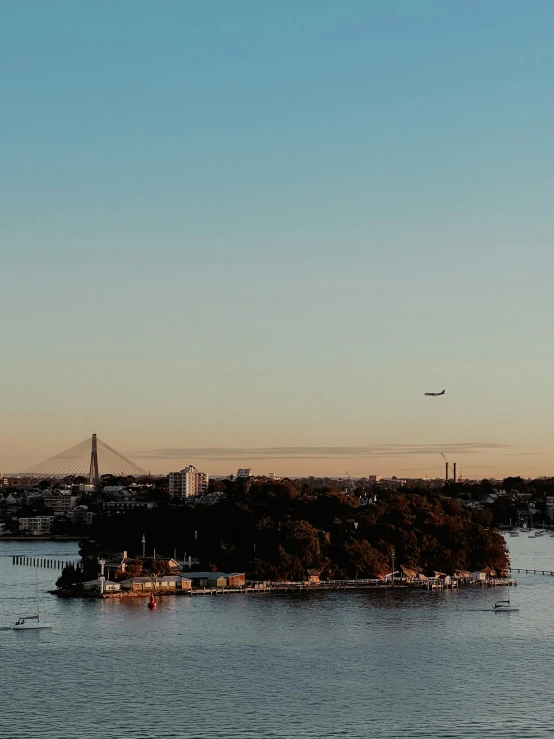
column 504, row 606
column 30, row 623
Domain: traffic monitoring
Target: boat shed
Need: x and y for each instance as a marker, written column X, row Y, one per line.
column 207, row 579
column 138, row 583
column 236, row 580
column 217, row 579
column 167, row 582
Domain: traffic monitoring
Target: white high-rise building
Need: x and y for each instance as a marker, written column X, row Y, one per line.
column 188, row 483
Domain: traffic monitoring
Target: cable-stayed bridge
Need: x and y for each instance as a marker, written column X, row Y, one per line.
column 90, row 458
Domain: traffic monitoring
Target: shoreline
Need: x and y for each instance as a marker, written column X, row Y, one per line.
column 271, row 590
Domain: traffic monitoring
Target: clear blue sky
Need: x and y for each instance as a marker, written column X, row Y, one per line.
column 275, row 225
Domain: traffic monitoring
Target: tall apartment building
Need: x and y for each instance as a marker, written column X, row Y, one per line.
column 60, row 502
column 188, row 483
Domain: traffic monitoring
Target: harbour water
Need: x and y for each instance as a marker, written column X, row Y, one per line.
column 354, row 665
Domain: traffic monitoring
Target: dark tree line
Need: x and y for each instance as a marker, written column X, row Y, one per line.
column 282, row 529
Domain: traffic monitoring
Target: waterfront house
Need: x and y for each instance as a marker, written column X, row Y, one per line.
column 463, row 576
column 484, row 574
column 410, row 575
column 96, row 585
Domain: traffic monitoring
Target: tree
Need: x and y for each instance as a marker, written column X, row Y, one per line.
column 71, row 575
column 279, row 529
column 360, row 559
column 133, row 568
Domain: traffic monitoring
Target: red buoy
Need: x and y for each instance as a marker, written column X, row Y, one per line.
column 152, row 602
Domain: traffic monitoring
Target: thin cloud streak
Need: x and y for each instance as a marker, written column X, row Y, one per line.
column 221, row 454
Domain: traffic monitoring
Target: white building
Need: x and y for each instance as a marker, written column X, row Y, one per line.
column 36, row 525
column 244, row 472
column 101, row 585
column 188, row 483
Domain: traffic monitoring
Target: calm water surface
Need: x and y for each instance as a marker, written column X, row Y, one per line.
column 403, row 664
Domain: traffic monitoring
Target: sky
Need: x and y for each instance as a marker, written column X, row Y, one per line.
column 254, row 234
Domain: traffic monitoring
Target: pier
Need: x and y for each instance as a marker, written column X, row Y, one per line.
column 52, row 564
column 532, row 572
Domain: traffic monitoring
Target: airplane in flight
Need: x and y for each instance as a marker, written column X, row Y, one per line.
column 435, row 395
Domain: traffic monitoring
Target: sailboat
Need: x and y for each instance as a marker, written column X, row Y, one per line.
column 504, row 606
column 31, row 622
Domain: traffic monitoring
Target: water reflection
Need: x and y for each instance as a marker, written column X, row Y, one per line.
column 377, row 664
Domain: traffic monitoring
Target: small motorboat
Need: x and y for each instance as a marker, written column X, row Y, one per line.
column 504, row 606
column 514, row 533
column 30, row 623
column 540, row 533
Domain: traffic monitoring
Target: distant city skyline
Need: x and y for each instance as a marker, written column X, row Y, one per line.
column 240, row 226
column 302, row 461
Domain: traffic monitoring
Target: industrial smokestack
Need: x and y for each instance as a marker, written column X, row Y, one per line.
column 454, row 478
column 446, row 471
